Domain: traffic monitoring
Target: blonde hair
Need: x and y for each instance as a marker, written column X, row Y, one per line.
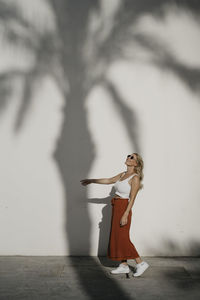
column 139, row 169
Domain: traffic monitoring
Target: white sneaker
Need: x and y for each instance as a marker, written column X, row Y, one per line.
column 121, row 269
column 140, row 268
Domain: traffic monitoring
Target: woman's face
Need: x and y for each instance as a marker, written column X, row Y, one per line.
column 131, row 160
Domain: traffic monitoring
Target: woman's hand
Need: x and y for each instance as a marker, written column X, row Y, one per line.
column 124, row 220
column 86, row 181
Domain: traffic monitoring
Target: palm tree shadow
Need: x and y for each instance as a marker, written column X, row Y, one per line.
column 75, row 151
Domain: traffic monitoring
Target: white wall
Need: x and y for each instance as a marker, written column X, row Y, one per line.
column 158, row 87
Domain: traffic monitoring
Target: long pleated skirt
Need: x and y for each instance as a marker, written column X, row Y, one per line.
column 120, row 247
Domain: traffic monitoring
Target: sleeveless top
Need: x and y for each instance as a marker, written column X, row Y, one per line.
column 123, row 188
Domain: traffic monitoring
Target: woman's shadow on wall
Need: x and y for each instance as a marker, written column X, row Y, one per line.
column 104, row 228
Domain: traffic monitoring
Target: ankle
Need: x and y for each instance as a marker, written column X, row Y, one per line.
column 138, row 260
column 140, row 263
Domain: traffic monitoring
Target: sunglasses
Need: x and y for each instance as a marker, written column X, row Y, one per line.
column 131, row 157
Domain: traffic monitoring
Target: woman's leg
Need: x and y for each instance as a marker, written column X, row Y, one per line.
column 138, row 260
column 124, row 261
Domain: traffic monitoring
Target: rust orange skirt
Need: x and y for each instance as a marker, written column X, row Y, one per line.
column 120, row 247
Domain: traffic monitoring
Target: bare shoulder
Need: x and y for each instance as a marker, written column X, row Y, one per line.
column 135, row 181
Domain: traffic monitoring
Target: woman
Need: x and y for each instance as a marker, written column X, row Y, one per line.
column 126, row 184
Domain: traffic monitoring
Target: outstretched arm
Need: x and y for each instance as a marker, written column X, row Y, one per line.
column 101, row 180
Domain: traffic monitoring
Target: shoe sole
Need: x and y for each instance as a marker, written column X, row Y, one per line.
column 120, row 273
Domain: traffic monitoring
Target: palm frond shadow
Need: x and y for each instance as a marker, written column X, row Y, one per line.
column 58, row 53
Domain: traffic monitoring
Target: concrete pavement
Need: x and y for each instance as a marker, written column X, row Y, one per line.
column 81, row 278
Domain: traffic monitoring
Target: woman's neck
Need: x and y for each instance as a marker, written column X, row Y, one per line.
column 130, row 170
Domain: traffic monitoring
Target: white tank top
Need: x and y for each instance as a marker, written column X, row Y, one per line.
column 123, row 188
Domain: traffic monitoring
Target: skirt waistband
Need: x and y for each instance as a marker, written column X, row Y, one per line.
column 117, row 198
